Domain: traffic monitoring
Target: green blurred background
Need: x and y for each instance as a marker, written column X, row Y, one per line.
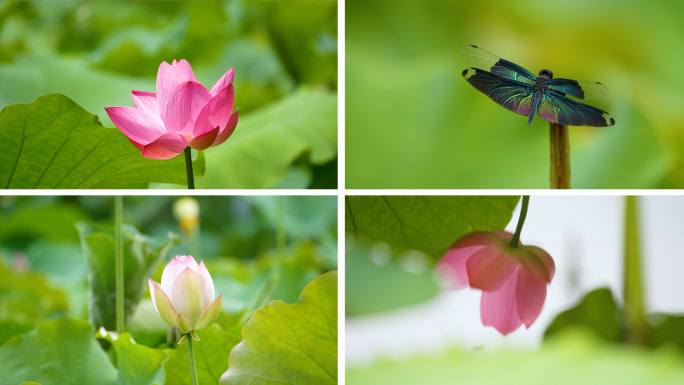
column 284, row 55
column 412, row 121
column 246, row 243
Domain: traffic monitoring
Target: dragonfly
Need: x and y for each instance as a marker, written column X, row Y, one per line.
column 517, row 90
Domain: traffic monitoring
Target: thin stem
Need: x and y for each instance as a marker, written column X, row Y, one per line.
column 280, row 226
column 560, row 156
column 193, row 370
column 521, row 220
column 188, row 168
column 633, row 290
column 195, row 245
column 119, row 269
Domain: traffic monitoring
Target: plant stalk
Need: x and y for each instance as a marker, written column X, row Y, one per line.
column 119, row 268
column 188, row 168
column 280, row 226
column 560, row 156
column 193, row 370
column 521, row 220
column 633, row 289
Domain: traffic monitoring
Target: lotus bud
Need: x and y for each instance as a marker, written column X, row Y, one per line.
column 185, row 297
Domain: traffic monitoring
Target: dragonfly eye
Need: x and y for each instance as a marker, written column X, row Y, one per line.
column 546, row 74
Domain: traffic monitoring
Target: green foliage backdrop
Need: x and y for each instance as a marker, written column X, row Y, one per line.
column 274, row 253
column 284, row 55
column 412, row 121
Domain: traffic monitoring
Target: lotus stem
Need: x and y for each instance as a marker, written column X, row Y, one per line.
column 521, row 220
column 119, row 268
column 188, row 168
column 280, row 227
column 193, row 370
column 560, row 156
column 633, row 290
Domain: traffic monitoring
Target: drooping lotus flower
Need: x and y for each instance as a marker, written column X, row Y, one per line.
column 182, row 113
column 512, row 279
column 185, row 298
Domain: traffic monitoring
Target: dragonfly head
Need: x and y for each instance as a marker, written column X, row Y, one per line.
column 546, row 74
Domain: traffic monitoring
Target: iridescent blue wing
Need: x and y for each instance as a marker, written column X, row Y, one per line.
column 557, row 108
column 487, row 61
column 511, row 94
column 579, row 90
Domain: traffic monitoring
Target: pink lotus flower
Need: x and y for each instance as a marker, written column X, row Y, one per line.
column 182, row 113
column 185, row 298
column 512, row 279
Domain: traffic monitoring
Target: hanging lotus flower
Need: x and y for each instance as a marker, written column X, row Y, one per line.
column 513, row 279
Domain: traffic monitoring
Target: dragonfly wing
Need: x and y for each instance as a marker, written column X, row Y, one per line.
column 579, row 90
column 560, row 109
column 486, row 60
column 510, row 94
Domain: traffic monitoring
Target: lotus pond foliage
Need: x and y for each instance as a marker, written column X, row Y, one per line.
column 62, row 63
column 257, row 257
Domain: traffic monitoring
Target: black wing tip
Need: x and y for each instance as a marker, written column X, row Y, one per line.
column 474, row 46
column 465, row 71
column 608, row 119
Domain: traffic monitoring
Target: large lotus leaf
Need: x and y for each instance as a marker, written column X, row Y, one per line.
column 597, row 312
column 666, row 329
column 268, row 140
column 574, row 357
column 291, row 23
column 49, row 221
column 290, row 344
column 30, row 76
column 376, row 281
column 147, row 326
column 25, row 299
column 211, row 358
column 302, row 216
column 141, row 255
column 64, row 266
column 260, row 78
column 55, row 143
column 254, row 283
column 136, row 364
column 62, row 351
column 106, row 41
column 427, row 223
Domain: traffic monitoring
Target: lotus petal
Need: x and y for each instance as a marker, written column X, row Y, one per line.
column 498, row 307
column 489, row 268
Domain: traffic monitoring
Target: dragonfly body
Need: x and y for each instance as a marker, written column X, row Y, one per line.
column 516, row 89
column 539, row 88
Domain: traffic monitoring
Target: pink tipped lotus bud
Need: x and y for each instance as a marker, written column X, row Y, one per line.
column 512, row 279
column 182, row 113
column 185, row 298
